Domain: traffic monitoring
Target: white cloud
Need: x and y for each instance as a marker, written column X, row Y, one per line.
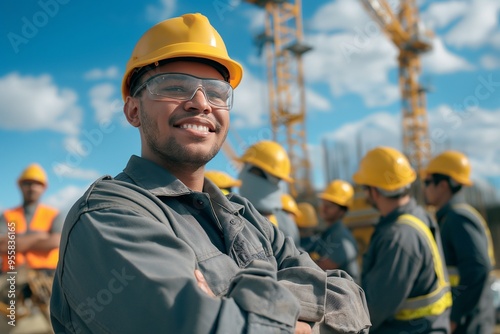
column 65, row 198
column 347, row 144
column 439, row 60
column 257, row 18
column 101, row 99
column 64, row 170
column 441, row 14
column 380, row 128
column 490, row 62
column 353, row 63
column 339, row 15
column 316, row 102
column 477, row 25
column 475, row 134
column 98, row 74
column 495, row 40
column 74, row 146
column 251, row 107
column 35, row 103
column 161, row 11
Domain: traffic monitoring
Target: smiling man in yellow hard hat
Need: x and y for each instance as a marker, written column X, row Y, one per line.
column 159, row 248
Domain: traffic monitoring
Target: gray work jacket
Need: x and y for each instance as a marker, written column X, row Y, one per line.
column 338, row 244
column 399, row 265
column 130, row 247
column 465, row 246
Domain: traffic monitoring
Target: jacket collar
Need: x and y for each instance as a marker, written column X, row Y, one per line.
column 393, row 216
column 456, row 199
column 160, row 182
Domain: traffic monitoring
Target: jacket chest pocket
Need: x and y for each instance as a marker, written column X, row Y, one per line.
column 246, row 249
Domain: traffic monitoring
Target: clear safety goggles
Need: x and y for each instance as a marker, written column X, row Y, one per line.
column 183, row 87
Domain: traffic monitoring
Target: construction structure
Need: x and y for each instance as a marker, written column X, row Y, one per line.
column 403, row 27
column 283, row 44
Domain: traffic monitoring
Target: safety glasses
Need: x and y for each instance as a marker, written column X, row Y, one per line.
column 183, row 87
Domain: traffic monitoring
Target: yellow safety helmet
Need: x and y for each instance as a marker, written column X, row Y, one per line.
column 308, row 216
column 453, row 164
column 269, row 156
column 289, row 205
column 385, row 168
column 221, row 179
column 190, row 35
column 33, row 172
column 339, row 192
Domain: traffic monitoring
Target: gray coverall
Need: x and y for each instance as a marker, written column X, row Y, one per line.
column 337, row 244
column 399, row 265
column 465, row 247
column 288, row 226
column 130, row 247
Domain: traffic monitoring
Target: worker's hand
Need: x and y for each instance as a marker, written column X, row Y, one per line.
column 202, row 283
column 327, row 264
column 302, row 328
column 453, row 326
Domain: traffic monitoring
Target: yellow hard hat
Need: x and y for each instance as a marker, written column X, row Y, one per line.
column 271, row 157
column 453, row 164
column 307, row 217
column 34, row 172
column 190, row 35
column 339, row 192
column 289, row 205
column 385, row 168
column 221, row 179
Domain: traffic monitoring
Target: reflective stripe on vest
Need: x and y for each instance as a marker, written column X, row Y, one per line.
column 440, row 299
column 453, row 276
column 471, row 213
column 42, row 222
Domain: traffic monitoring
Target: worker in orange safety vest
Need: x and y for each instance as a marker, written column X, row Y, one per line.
column 30, row 233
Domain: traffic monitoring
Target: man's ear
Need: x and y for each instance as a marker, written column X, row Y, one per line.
column 131, row 111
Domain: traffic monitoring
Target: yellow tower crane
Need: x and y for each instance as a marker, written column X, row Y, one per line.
column 405, row 30
column 284, row 48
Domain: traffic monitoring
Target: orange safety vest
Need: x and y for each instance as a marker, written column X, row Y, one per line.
column 42, row 221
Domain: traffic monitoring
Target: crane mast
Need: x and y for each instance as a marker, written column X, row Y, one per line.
column 405, row 30
column 283, row 45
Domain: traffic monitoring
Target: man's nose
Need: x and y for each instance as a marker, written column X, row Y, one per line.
column 199, row 100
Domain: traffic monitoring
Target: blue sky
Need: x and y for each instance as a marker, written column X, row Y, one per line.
column 62, row 62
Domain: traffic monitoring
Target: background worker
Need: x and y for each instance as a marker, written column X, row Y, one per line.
column 403, row 272
column 161, row 232
column 290, row 208
column 37, row 230
column 224, row 181
column 467, row 243
column 336, row 248
column 307, row 222
column 266, row 166
column 37, row 226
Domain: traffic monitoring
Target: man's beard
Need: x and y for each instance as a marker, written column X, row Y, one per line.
column 173, row 152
